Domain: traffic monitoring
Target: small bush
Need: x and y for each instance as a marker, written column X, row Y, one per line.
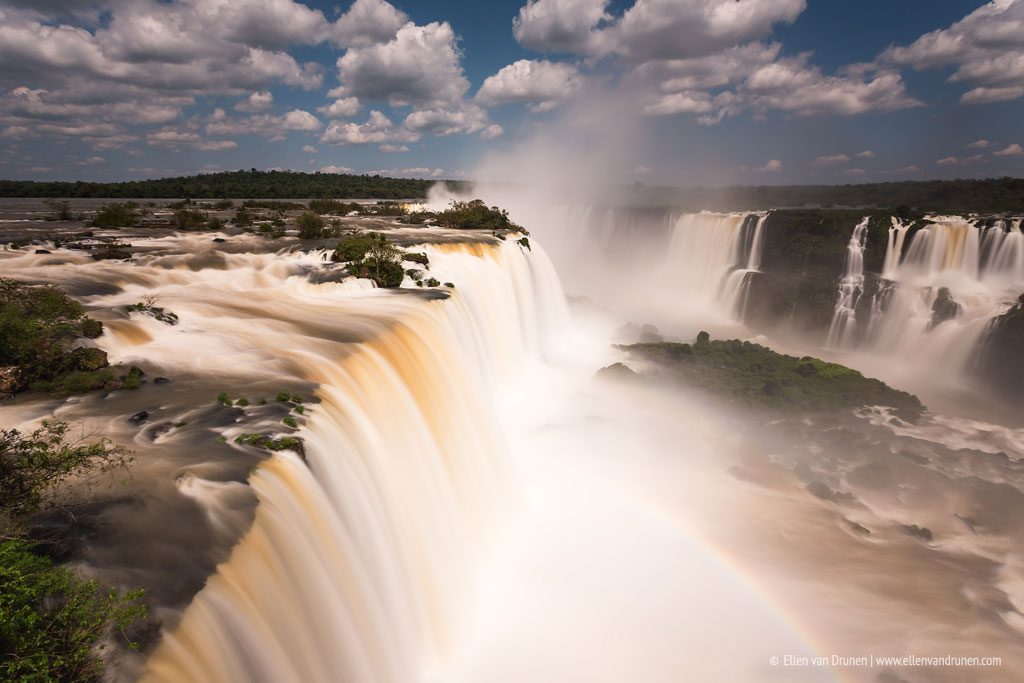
column 475, row 215
column 290, row 422
column 189, row 219
column 433, row 282
column 123, row 215
column 223, row 398
column 310, row 225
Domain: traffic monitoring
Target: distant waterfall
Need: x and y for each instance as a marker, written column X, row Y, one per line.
column 851, row 286
column 358, row 566
column 938, row 291
column 691, row 265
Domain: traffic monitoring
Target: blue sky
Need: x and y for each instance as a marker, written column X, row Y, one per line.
column 712, row 91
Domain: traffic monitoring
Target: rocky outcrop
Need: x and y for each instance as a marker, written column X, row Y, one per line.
column 1001, row 360
column 945, row 308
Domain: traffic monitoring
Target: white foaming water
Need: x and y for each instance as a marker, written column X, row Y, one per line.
column 359, row 567
column 692, row 267
column 851, row 286
column 981, row 268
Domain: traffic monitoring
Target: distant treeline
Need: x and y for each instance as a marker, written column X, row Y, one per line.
column 993, row 195
column 252, row 184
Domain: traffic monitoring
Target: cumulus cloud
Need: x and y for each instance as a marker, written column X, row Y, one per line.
column 392, row 148
column 947, row 161
column 467, row 119
column 265, row 125
column 772, row 166
column 256, row 102
column 649, row 29
column 1013, row 150
column 866, row 154
column 978, row 144
column 341, row 108
column 336, row 169
column 309, row 149
column 986, row 48
column 420, row 66
column 367, row 22
column 378, row 128
column 541, row 84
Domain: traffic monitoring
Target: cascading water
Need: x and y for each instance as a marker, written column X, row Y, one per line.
column 355, row 568
column 938, row 292
column 851, row 286
column 692, row 265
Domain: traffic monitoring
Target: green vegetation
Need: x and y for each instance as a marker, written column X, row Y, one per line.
column 189, row 219
column 51, row 619
column 371, row 255
column 124, row 215
column 310, row 225
column 251, row 184
column 755, row 376
column 290, row 421
column 433, row 282
column 332, row 206
column 149, row 307
column 990, row 195
column 524, row 242
column 271, row 443
column 242, row 219
column 417, row 257
column 38, row 325
column 475, row 215
column 224, row 399
column 61, row 210
column 285, row 397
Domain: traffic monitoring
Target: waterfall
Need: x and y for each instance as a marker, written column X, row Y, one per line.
column 357, row 567
column 851, row 286
column 938, row 292
column 691, row 266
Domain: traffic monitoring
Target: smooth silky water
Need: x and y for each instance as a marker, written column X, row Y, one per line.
column 475, row 506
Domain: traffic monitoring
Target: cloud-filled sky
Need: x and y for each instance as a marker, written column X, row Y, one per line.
column 748, row 91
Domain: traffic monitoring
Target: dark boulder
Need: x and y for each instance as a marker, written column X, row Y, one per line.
column 43, row 251
column 139, row 417
column 161, row 380
column 219, row 239
column 945, row 308
column 89, row 358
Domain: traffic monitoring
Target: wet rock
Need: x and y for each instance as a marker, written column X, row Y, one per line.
column 112, row 254
column 89, row 358
column 161, row 380
column 858, row 528
column 43, row 251
column 923, row 533
column 92, row 328
column 139, row 417
column 617, row 371
column 945, row 308
column 219, row 239
column 10, row 378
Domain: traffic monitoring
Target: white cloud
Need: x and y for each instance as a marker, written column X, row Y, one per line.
column 833, row 160
column 539, row 83
column 986, row 47
column 1009, row 151
column 336, row 169
column 492, row 131
column 341, row 108
column 419, row 66
column 947, row 161
column 855, row 171
column 309, row 149
column 559, row 25
column 266, row 125
column 392, row 148
column 649, row 29
column 866, row 154
column 978, row 144
column 367, row 22
column 643, row 170
column 467, row 119
column 773, row 166
column 377, row 129
column 257, row 102
column 417, row 172
column 217, row 145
